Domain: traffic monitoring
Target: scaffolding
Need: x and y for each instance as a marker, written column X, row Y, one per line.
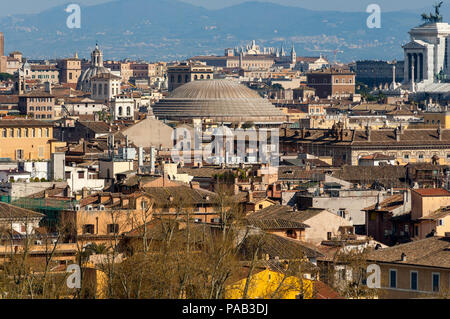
column 41, row 204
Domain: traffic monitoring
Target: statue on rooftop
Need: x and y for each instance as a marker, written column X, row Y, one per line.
column 433, row 18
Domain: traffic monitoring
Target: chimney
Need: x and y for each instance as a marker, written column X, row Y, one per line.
column 195, row 185
column 84, row 192
column 397, row 134
column 368, row 132
column 250, row 196
column 403, row 257
column 140, row 157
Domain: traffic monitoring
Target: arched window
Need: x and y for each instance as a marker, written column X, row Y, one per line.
column 172, row 78
column 195, row 77
column 179, row 79
column 99, row 89
column 128, row 111
column 208, row 77
column 186, row 78
column 120, row 111
column 202, row 77
column 106, row 89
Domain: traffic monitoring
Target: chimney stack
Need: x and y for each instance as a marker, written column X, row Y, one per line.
column 368, row 132
column 397, row 134
column 250, row 196
column 403, row 257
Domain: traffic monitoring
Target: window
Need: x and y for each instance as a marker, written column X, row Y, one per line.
column 4, row 134
column 19, row 132
column 406, row 156
column 41, row 151
column 68, row 175
column 88, row 229
column 33, row 132
column 393, row 278
column 81, row 174
column 441, row 222
column 11, row 132
column 47, row 132
column 113, row 228
column 341, row 213
column 414, row 277
column 19, row 154
column 436, row 278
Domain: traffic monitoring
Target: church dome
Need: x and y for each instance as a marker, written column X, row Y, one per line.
column 219, row 100
column 95, row 69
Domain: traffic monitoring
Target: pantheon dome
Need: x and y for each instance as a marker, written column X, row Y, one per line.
column 96, row 68
column 218, row 100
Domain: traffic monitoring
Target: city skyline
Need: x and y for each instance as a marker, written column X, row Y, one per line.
column 31, row 6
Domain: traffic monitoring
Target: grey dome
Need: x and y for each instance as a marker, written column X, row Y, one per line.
column 88, row 74
column 220, row 100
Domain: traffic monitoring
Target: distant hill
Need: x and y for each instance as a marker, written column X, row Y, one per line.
column 171, row 29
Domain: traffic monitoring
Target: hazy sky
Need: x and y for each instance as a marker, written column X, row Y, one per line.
column 33, row 6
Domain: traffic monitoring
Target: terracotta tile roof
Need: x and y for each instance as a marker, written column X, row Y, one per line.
column 25, row 123
column 204, row 171
column 323, row 291
column 358, row 138
column 8, row 211
column 299, row 173
column 184, row 194
column 438, row 214
column 281, row 247
column 284, row 213
column 389, row 204
column 9, row 99
column 431, row 252
column 37, row 94
column 389, row 176
column 276, row 224
column 432, row 192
